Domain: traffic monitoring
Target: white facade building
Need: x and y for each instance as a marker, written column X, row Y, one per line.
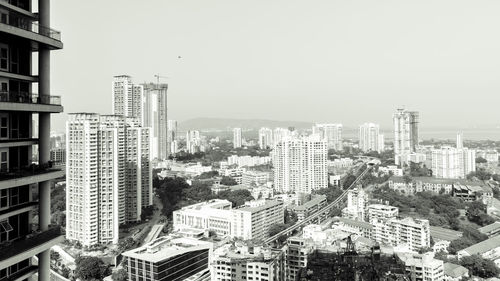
column 251, row 221
column 265, row 138
column 300, row 165
column 405, row 134
column 279, row 134
column 154, row 116
column 127, row 96
column 193, row 141
column 108, row 176
column 331, row 133
column 453, row 163
column 237, row 137
column 369, row 138
column 357, row 200
column 423, row 266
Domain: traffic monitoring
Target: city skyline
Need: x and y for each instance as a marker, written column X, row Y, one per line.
column 345, row 55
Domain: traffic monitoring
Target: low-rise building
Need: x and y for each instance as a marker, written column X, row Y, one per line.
column 334, row 180
column 455, row 272
column 169, row 259
column 355, row 226
column 296, row 252
column 255, row 218
column 251, row 221
column 491, row 229
column 381, row 212
column 241, row 261
column 255, row 178
column 488, row 249
column 397, row 172
column 421, row 184
column 423, row 266
column 310, row 207
column 357, row 200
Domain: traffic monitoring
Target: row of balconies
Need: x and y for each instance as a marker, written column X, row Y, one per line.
column 26, row 25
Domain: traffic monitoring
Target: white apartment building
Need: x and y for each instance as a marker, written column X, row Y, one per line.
column 357, row 201
column 154, row 116
column 239, row 261
column 414, row 233
column 380, row 212
column 237, row 137
column 491, row 156
column 193, row 141
column 300, row 165
column 126, row 97
column 279, row 134
column 265, row 138
column 405, row 134
column 331, row 133
column 247, row 161
column 453, row 163
column 255, row 178
column 251, row 221
column 369, row 138
column 423, row 267
column 108, row 176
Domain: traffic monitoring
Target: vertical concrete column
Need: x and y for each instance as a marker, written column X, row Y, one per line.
column 44, row 136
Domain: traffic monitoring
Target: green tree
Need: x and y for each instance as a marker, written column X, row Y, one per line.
column 126, row 244
column 480, row 160
column 276, row 228
column 476, row 212
column 120, row 275
column 90, row 268
column 228, row 181
column 479, row 266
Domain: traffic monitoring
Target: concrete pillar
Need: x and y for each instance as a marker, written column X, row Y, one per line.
column 44, row 137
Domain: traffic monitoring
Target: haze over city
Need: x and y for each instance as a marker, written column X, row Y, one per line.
column 327, row 61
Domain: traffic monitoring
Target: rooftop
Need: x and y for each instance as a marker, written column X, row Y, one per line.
column 356, row 223
column 440, row 233
column 483, row 246
column 494, row 227
column 314, row 201
column 263, row 206
column 165, row 247
column 454, row 270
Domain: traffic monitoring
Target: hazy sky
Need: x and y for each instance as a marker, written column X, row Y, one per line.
column 347, row 61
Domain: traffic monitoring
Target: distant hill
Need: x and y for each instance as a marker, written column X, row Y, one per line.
column 226, row 124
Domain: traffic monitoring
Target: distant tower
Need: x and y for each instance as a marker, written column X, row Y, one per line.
column 331, row 133
column 127, row 97
column 369, row 138
column 405, row 134
column 460, row 141
column 236, row 137
column 154, row 116
column 265, row 138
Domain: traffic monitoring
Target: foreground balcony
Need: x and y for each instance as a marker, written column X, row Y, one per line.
column 29, row 246
column 29, row 175
column 20, row 24
column 21, row 101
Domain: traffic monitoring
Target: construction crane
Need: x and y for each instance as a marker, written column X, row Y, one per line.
column 158, row 77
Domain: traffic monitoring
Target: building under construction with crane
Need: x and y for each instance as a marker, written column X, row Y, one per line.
column 350, row 265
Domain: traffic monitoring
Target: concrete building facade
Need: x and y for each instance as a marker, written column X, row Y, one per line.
column 405, row 134
column 300, row 165
column 26, row 99
column 108, row 176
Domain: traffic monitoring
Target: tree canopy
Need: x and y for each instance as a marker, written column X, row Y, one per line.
column 479, row 266
column 90, row 268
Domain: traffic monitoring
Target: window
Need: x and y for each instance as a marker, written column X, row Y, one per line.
column 4, row 56
column 4, row 165
column 5, row 226
column 3, row 198
column 4, row 126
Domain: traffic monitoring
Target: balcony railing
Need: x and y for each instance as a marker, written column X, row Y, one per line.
column 31, row 170
column 23, row 97
column 30, row 241
column 25, row 23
